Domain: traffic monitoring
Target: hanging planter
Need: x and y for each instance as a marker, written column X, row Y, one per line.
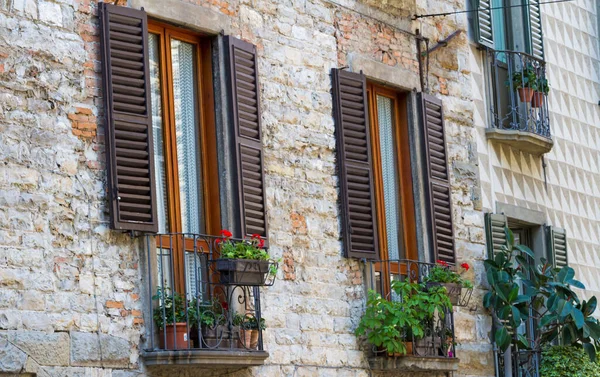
column 244, row 262
column 457, row 288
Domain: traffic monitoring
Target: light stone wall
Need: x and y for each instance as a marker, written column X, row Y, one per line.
column 568, row 192
column 70, row 287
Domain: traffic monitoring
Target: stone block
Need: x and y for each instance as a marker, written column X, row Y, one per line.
column 91, row 349
column 12, row 359
column 45, row 348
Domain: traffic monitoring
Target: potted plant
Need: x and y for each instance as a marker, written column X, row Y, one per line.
column 171, row 317
column 443, row 275
column 542, row 89
column 243, row 262
column 524, row 82
column 392, row 325
column 211, row 320
column 249, row 327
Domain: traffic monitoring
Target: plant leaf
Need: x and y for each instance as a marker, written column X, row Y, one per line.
column 590, row 350
column 502, row 338
column 577, row 317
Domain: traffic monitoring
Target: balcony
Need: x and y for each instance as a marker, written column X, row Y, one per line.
column 518, row 99
column 435, row 351
column 201, row 317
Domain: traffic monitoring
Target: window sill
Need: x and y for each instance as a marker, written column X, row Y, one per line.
column 209, row 359
column 522, row 140
column 414, row 364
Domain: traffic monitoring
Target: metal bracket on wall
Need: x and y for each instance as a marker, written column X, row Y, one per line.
column 443, row 43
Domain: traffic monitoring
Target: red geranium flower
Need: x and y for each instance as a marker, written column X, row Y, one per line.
column 226, row 233
column 218, row 241
column 441, row 262
column 261, row 243
column 256, row 236
column 465, row 266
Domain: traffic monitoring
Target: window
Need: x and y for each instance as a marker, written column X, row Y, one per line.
column 184, row 143
column 183, row 128
column 161, row 136
column 512, row 25
column 375, row 175
column 392, row 173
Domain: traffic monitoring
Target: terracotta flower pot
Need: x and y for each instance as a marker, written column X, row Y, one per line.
column 454, row 291
column 409, row 351
column 248, row 339
column 177, row 337
column 537, row 100
column 525, row 94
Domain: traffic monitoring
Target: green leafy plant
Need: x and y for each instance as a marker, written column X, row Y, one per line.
column 443, row 273
column 543, row 86
column 567, row 361
column 171, row 308
column 248, row 322
column 252, row 248
column 520, row 291
column 527, row 78
column 388, row 324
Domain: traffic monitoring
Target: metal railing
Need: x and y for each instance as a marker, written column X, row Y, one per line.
column 522, row 363
column 518, row 92
column 196, row 306
column 439, row 339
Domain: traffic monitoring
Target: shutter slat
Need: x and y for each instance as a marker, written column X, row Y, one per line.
column 495, row 234
column 484, row 27
column 243, row 74
column 439, row 190
column 129, row 147
column 557, row 247
column 535, row 30
column 359, row 227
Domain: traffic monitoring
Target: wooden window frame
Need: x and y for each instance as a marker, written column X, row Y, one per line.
column 207, row 142
column 407, row 208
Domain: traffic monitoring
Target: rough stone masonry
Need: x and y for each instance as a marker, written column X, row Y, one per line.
column 70, row 287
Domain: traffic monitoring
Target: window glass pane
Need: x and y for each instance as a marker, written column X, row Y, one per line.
column 498, row 24
column 389, row 167
column 187, row 135
column 158, row 133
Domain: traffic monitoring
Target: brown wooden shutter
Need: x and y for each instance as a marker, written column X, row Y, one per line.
column 359, row 227
column 437, row 172
column 128, row 124
column 245, row 104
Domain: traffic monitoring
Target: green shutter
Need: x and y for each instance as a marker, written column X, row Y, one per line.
column 536, row 37
column 484, row 30
column 557, row 246
column 496, row 237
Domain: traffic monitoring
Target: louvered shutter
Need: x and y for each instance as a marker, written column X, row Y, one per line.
column 557, row 246
column 483, row 23
column 245, row 104
column 535, row 30
column 128, row 127
column 359, row 227
column 437, row 173
column 495, row 225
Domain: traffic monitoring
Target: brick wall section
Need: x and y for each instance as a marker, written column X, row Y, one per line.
column 64, row 273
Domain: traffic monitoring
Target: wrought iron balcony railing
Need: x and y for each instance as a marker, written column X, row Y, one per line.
column 518, row 92
column 193, row 306
column 438, row 340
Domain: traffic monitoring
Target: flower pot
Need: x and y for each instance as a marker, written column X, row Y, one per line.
column 453, row 289
column 537, row 100
column 177, row 337
column 409, row 351
column 215, row 337
column 525, row 94
column 248, row 339
column 242, row 271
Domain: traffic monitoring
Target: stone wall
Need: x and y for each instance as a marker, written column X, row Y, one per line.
column 71, row 285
